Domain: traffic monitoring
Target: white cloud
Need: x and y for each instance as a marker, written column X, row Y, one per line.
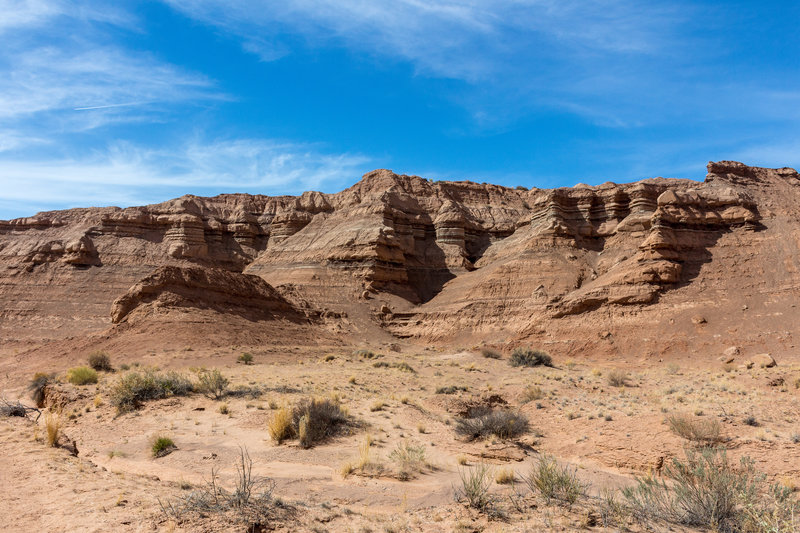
column 128, row 174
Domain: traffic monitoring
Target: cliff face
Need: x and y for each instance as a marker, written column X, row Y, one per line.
column 443, row 261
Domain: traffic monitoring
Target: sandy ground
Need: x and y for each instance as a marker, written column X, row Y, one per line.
column 609, row 434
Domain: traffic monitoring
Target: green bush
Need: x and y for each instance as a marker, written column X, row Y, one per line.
column 246, row 358
column 136, row 387
column 475, row 484
column 554, row 482
column 162, row 446
column 707, row 491
column 100, row 361
column 528, row 357
column 410, row 460
column 81, row 375
column 212, row 384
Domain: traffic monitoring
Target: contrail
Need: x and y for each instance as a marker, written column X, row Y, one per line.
column 107, row 106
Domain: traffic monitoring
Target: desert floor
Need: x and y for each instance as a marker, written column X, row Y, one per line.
column 608, row 434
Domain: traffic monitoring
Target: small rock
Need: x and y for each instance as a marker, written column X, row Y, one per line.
column 747, row 365
column 764, row 360
column 731, row 352
column 776, row 382
column 698, row 319
column 386, row 310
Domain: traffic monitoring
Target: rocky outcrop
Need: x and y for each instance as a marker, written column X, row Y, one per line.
column 450, row 259
column 226, row 292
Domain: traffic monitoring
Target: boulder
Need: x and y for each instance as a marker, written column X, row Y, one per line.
column 764, row 360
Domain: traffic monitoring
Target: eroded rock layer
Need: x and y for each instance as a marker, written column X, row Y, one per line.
column 440, row 261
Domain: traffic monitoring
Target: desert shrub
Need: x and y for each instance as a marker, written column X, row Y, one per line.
column 377, row 405
column 529, row 357
column 162, row 446
column 38, row 387
column 532, row 393
column 280, row 425
column 100, row 361
column 751, row 421
column 703, row 431
column 246, row 358
column 13, row 408
column 365, row 354
column 135, row 387
column 409, row 459
column 322, row 418
column 250, row 502
column 554, row 482
column 706, row 490
column 81, row 375
column 617, row 378
column 402, row 366
column 490, row 354
column 483, row 423
column 212, row 384
column 451, row 389
column 475, row 483
column 504, row 476
column 52, row 426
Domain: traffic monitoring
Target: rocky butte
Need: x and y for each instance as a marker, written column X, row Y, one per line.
column 657, row 267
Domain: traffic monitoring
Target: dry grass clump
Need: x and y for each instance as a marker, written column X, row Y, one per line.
column 529, row 357
column 211, row 383
column 707, row 491
column 409, row 459
column 451, row 389
column 532, row 393
column 365, row 354
column 310, row 421
column 377, row 405
column 136, row 387
column 617, row 378
column 474, row 487
column 402, row 366
column 366, row 465
column 554, row 482
column 38, row 387
column 504, row 476
column 82, row 375
column 161, row 446
column 100, row 361
column 486, row 422
column 52, row 426
column 490, row 354
column 280, row 425
column 704, row 431
column 250, row 503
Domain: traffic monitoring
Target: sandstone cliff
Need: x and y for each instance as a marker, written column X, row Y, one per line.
column 614, row 268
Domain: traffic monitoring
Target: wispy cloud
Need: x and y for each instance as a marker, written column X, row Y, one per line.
column 129, row 174
column 614, row 63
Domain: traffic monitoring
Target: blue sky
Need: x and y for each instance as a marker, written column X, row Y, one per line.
column 126, row 103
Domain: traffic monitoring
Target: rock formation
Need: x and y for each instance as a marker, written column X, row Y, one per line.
column 450, row 261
